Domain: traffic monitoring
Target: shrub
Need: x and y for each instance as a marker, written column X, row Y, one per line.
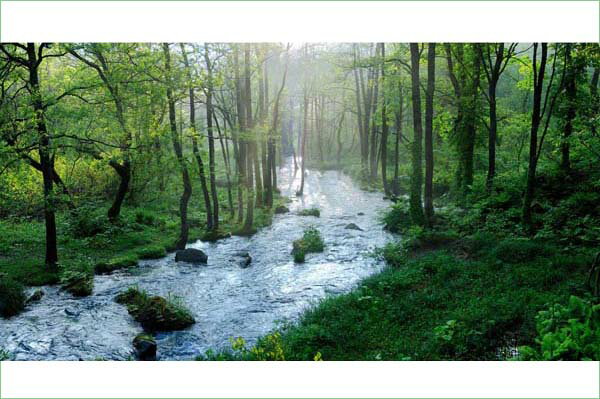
column 397, row 218
column 88, row 221
column 569, row 332
column 12, row 297
column 311, row 241
column 310, row 212
column 155, row 313
column 145, row 217
column 519, row 250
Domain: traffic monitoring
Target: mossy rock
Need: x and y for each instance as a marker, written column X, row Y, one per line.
column 145, row 346
column 12, row 297
column 310, row 212
column 35, row 297
column 77, row 283
column 116, row 264
column 279, row 209
column 155, row 313
column 310, row 242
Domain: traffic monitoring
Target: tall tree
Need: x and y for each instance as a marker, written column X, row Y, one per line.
column 494, row 59
column 211, row 138
column 384, row 126
column 429, row 134
column 194, row 137
column 416, row 179
column 185, row 177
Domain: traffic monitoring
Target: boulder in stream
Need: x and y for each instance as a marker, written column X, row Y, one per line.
column 35, row 297
column 352, row 226
column 279, row 209
column 145, row 347
column 361, row 214
column 244, row 259
column 155, row 313
column 191, row 255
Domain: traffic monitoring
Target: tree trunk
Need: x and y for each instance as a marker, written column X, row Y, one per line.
column 429, row 134
column 250, row 144
column 211, row 141
column 46, row 160
column 187, row 185
column 196, row 151
column 571, row 93
column 538, row 82
column 416, row 180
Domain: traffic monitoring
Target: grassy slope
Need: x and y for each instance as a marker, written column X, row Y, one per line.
column 143, row 232
column 394, row 315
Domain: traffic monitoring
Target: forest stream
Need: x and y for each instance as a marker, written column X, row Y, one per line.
column 226, row 300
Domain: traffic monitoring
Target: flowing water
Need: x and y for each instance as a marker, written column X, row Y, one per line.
column 226, row 300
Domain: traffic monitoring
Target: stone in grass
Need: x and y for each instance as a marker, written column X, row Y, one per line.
column 145, row 347
column 279, row 209
column 352, row 226
column 155, row 313
column 191, row 255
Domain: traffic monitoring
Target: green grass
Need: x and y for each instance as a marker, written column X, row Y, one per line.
column 439, row 305
column 310, row 242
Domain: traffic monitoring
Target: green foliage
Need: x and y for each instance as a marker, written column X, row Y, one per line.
column 397, row 218
column 4, row 355
column 12, row 297
column 156, row 313
column 310, row 242
column 570, row 332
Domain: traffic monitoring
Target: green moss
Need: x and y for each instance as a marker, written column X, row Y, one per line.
column 152, row 252
column 311, row 241
column 12, row 297
column 310, row 212
column 155, row 313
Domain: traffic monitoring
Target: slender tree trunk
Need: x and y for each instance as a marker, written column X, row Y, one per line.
column 384, row 126
column 571, row 94
column 538, row 82
column 416, row 207
column 46, row 160
column 187, row 185
column 250, row 144
column 429, row 134
column 303, row 147
column 196, row 151
column 211, row 141
column 241, row 115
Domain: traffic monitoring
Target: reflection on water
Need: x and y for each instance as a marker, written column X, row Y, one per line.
column 226, row 300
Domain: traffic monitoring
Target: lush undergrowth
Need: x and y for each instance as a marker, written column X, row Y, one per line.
column 473, row 287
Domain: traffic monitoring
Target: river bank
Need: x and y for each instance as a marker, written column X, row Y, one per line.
column 226, row 300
